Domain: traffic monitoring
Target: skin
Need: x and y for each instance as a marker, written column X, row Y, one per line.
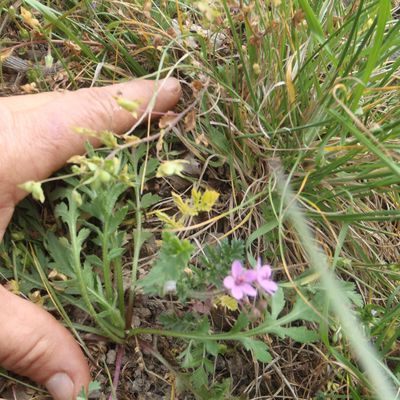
column 36, row 139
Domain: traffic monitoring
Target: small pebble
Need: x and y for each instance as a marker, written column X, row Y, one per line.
column 111, row 356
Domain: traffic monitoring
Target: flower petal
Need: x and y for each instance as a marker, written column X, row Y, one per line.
column 237, row 268
column 264, row 272
column 229, row 282
column 237, row 292
column 248, row 289
column 250, row 275
column 269, row 286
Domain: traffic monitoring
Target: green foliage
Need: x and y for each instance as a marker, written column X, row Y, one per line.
column 312, row 84
column 216, row 263
column 258, row 348
column 199, row 329
column 199, row 355
column 169, row 267
column 93, row 386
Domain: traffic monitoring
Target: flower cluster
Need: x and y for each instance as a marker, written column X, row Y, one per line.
column 241, row 282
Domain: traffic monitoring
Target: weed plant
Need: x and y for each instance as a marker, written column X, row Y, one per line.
column 285, row 147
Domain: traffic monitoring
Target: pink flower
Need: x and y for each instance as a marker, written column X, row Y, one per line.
column 239, row 281
column 263, row 277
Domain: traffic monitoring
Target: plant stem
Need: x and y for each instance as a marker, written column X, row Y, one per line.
column 120, row 284
column 82, row 285
column 117, row 373
column 106, row 262
column 137, row 246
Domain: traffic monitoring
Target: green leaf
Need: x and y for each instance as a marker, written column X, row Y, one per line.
column 67, row 214
column 88, row 275
column 76, row 197
column 60, row 251
column 149, row 199
column 170, row 264
column 82, row 236
column 187, row 357
column 258, row 348
column 116, row 219
column 240, row 323
column 277, row 303
column 115, row 253
column 94, row 385
column 212, row 347
column 218, row 391
column 351, row 292
column 199, row 378
column 300, row 311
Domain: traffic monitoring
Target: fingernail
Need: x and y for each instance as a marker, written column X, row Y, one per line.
column 171, row 85
column 60, row 387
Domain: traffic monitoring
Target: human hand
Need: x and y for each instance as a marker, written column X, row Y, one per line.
column 36, row 139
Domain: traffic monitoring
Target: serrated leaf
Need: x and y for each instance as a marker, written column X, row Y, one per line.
column 83, row 234
column 240, row 323
column 183, row 206
column 208, row 200
column 60, row 252
column 170, row 264
column 199, row 378
column 351, row 292
column 170, row 221
column 258, row 348
column 87, row 275
column 67, row 214
column 212, row 347
column 204, row 326
column 301, row 311
column 204, row 201
column 187, row 358
column 277, row 303
column 117, row 218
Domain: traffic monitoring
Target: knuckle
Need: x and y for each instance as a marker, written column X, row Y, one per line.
column 31, row 358
column 100, row 107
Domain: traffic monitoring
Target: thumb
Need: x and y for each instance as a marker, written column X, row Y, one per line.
column 35, row 345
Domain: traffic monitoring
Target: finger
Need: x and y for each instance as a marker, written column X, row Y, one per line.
column 35, row 345
column 6, row 213
column 28, row 101
column 52, row 137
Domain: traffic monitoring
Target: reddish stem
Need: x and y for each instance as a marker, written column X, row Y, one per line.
column 118, row 367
